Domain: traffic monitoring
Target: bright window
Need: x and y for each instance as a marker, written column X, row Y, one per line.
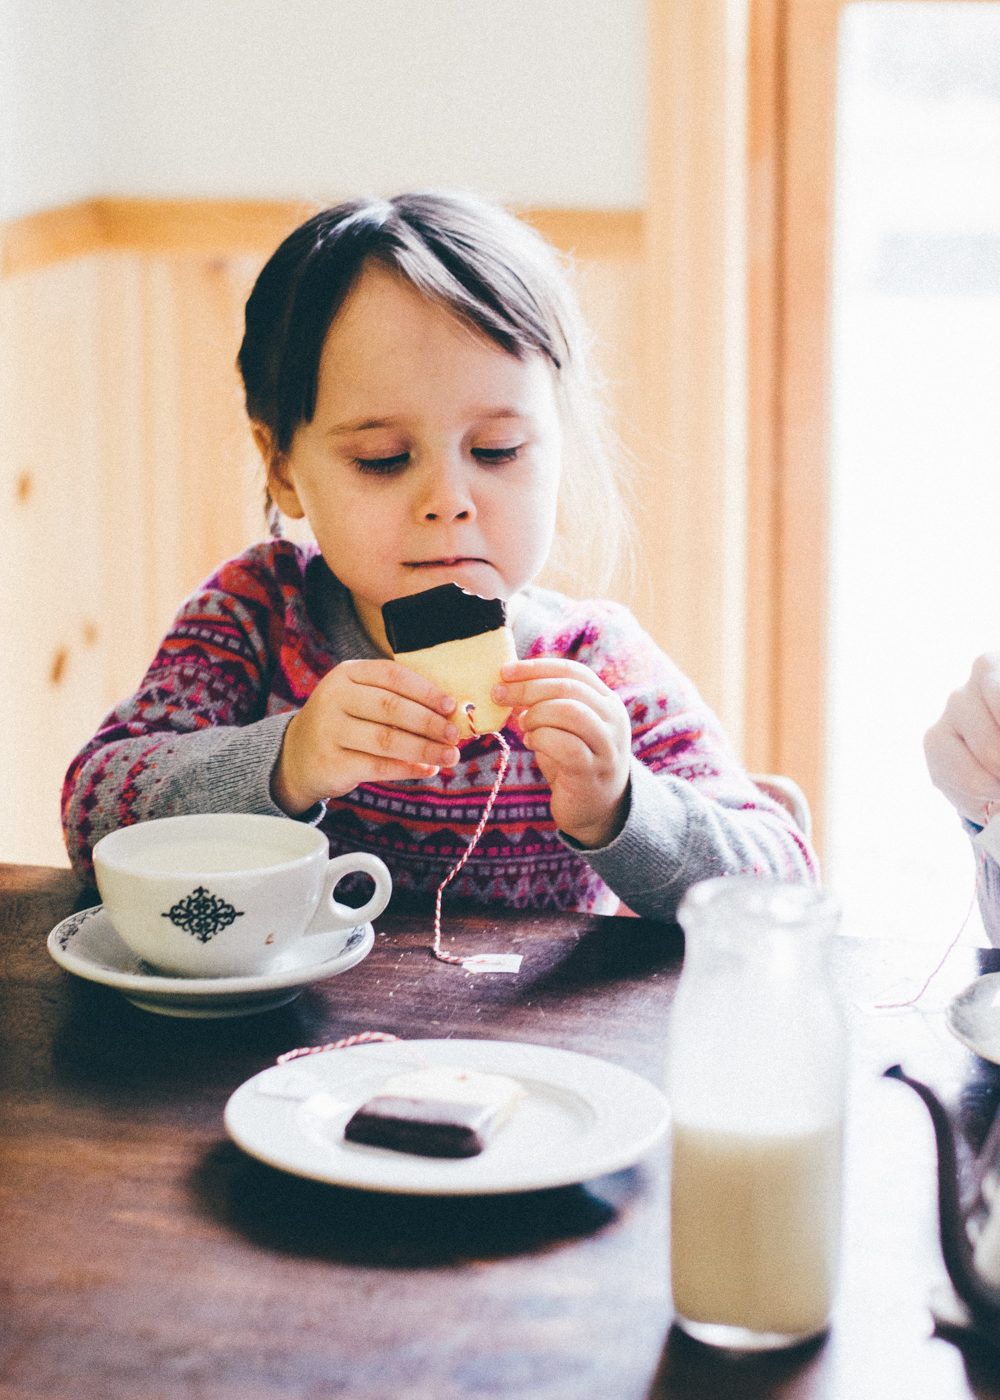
column 915, row 533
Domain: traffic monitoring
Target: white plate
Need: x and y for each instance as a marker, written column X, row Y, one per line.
column 582, row 1117
column 88, row 945
column 974, row 1016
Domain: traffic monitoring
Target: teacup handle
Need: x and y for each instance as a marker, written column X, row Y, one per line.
column 330, row 914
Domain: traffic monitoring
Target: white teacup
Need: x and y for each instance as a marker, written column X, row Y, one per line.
column 225, row 894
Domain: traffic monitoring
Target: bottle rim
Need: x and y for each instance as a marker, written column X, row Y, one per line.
column 757, row 899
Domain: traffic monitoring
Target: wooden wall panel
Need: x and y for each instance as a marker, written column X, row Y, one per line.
column 55, row 647
column 128, row 473
column 693, row 359
column 791, row 148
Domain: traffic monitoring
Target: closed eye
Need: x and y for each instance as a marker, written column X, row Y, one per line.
column 381, row 466
column 493, row 456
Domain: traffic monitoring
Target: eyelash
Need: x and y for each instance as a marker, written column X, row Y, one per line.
column 381, row 466
column 494, row 456
column 385, row 466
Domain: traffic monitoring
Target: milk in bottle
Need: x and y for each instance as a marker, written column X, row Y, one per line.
column 756, row 1086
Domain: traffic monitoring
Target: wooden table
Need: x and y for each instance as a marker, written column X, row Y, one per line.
column 146, row 1258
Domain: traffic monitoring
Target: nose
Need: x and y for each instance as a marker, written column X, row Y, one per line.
column 445, row 491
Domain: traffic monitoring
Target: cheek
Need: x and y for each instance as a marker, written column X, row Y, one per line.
column 534, row 520
column 546, row 497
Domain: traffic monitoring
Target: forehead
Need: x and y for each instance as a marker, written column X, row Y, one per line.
column 389, row 340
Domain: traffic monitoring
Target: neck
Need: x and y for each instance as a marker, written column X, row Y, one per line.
column 370, row 617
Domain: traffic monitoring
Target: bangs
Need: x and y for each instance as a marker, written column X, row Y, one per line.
column 481, row 264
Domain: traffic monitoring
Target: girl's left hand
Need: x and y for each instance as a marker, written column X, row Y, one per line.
column 581, row 736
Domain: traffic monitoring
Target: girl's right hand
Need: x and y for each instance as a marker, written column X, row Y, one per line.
column 366, row 721
column 963, row 748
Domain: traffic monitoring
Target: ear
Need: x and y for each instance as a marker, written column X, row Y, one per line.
column 280, row 484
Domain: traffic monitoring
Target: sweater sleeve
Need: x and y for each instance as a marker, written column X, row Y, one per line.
column 694, row 811
column 676, row 834
column 202, row 733
column 987, row 883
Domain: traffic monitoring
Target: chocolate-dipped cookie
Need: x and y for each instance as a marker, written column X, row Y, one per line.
column 436, row 1112
column 459, row 641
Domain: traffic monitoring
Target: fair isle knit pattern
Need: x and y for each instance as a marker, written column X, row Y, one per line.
column 204, row 729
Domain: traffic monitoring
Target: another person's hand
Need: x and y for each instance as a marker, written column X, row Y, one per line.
column 366, row 721
column 963, row 748
column 580, row 734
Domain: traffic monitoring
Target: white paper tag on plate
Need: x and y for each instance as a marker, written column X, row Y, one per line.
column 988, row 840
column 493, row 962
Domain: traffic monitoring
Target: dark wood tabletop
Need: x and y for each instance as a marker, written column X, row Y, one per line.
column 145, row 1257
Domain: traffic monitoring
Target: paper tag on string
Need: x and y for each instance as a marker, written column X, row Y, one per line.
column 493, row 962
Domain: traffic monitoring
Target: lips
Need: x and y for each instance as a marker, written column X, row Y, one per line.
column 442, row 563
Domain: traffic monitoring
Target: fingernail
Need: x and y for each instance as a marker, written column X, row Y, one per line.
column 455, row 755
column 448, row 704
column 508, row 670
column 451, row 732
column 499, row 693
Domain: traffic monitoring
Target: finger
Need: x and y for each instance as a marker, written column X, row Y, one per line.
column 974, row 725
column 955, row 770
column 372, row 703
column 985, row 679
column 539, row 667
column 383, row 741
column 389, row 770
column 569, row 751
column 391, row 676
column 525, row 693
column 571, row 718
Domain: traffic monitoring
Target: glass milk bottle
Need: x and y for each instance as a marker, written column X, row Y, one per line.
column 755, row 1077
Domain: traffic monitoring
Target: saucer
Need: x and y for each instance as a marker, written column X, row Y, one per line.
column 973, row 1017
column 581, row 1117
column 88, row 945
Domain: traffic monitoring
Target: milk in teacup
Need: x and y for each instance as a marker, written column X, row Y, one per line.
column 208, row 856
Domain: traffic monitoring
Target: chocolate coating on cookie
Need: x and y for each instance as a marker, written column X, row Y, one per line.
column 425, row 1127
column 444, row 614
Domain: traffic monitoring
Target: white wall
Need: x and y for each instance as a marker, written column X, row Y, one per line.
column 50, row 138
column 534, row 101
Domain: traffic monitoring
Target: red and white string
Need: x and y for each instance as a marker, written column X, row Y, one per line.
column 494, row 792
column 991, row 808
column 367, row 1037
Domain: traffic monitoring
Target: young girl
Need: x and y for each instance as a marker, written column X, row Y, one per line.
column 413, row 371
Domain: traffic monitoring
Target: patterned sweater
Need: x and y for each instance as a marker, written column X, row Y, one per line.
column 204, row 731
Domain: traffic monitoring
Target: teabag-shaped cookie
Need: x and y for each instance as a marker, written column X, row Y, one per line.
column 459, row 641
column 436, row 1112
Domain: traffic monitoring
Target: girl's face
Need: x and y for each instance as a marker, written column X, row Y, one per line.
column 433, row 455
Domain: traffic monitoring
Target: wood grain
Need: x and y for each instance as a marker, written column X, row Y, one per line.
column 807, row 241
column 793, row 56
column 693, row 361
column 143, row 1257
column 248, row 227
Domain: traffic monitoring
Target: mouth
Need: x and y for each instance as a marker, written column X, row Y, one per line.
column 443, row 563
